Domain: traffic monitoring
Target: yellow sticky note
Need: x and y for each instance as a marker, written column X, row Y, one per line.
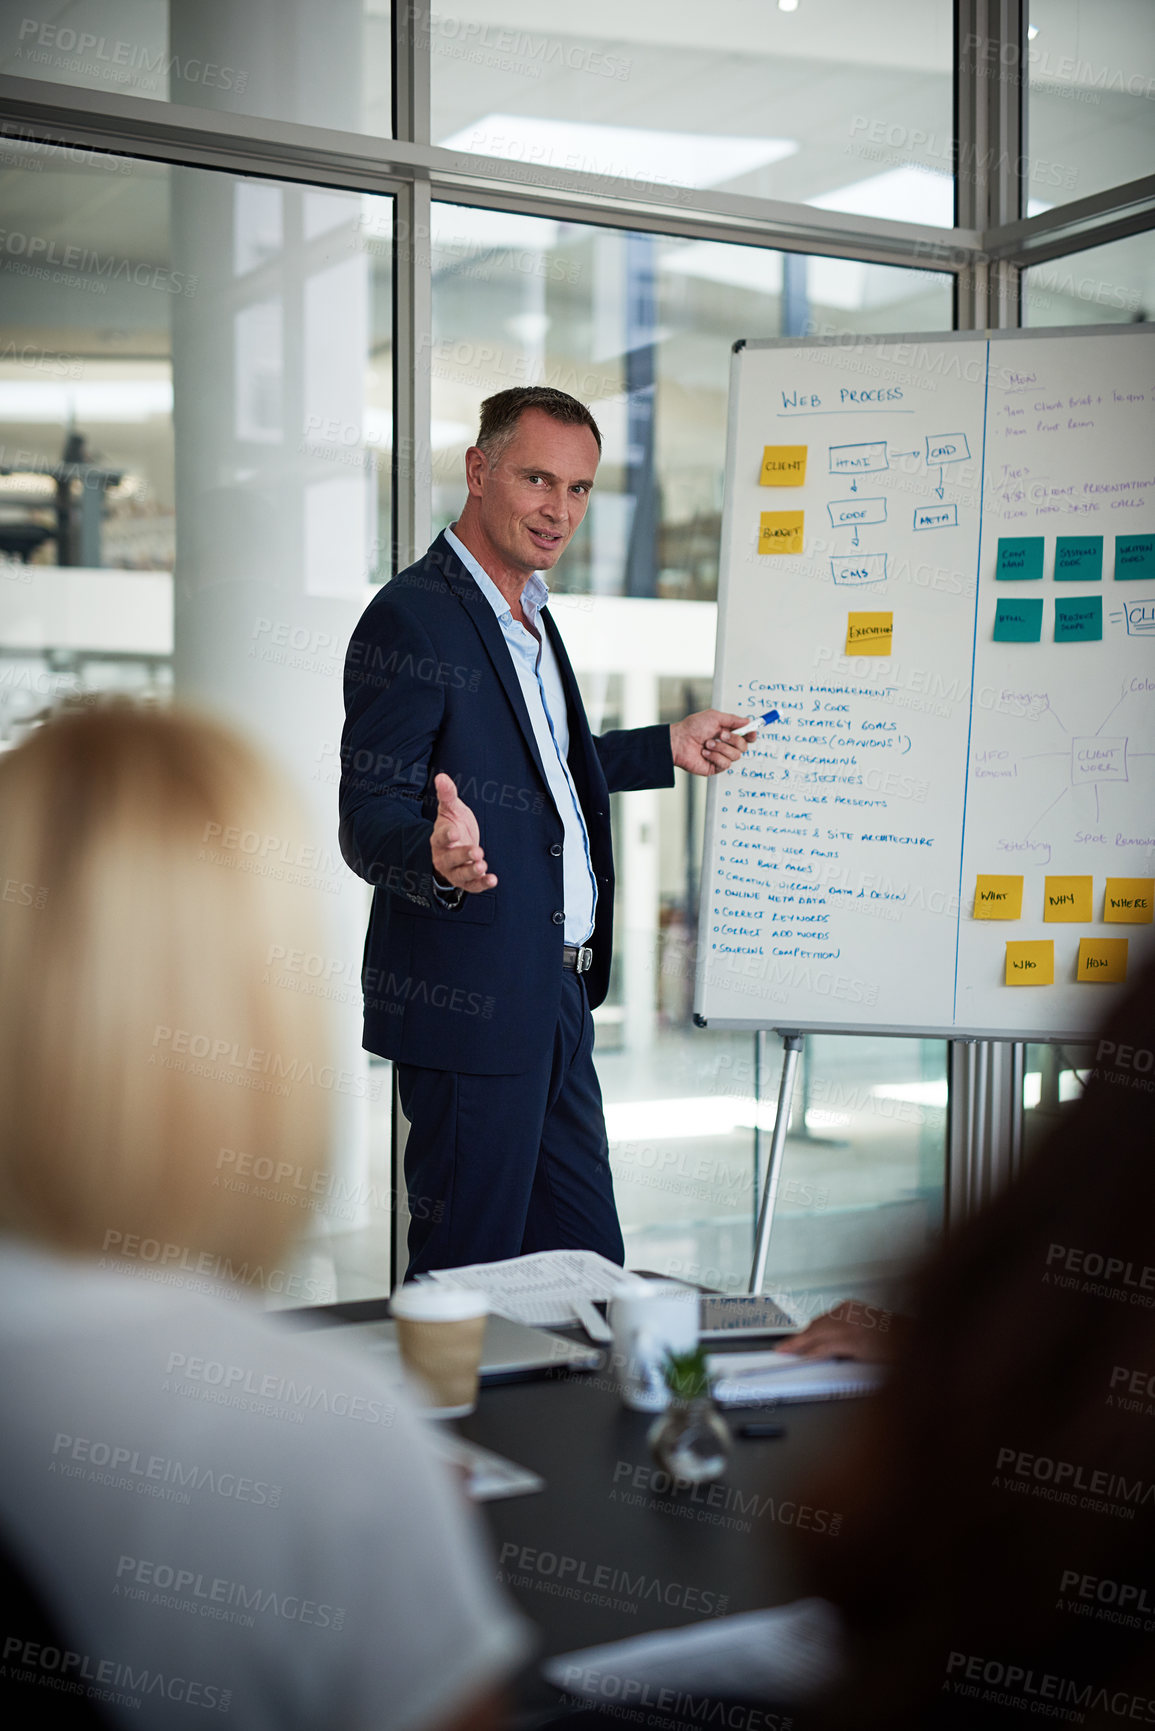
column 1102, row 959
column 1129, row 901
column 1031, row 963
column 1068, row 899
column 783, row 466
column 780, row 532
column 998, row 898
column 869, row 633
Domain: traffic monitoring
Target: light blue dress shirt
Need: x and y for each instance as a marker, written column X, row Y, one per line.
column 539, row 677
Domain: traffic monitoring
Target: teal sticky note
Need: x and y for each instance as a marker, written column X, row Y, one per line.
column 1079, row 619
column 1134, row 556
column 1018, row 621
column 1079, row 559
column 1020, row 558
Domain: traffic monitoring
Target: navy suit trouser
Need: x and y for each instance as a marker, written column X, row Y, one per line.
column 499, row 1166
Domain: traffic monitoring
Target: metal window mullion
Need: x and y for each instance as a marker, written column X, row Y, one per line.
column 990, row 152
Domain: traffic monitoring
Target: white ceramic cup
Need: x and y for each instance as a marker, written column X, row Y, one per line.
column 440, row 1331
column 650, row 1318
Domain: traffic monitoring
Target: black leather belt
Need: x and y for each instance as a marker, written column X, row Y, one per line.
column 578, row 958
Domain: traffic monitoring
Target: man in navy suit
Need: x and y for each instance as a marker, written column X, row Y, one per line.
column 475, row 800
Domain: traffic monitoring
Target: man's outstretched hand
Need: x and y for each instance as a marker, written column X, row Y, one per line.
column 458, row 856
column 703, row 744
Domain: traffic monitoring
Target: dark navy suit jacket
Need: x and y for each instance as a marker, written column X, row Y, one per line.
column 430, row 686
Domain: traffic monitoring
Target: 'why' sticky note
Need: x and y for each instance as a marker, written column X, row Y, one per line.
column 998, row 898
column 1068, row 899
column 1020, row 558
column 1134, row 557
column 1102, row 959
column 783, row 466
column 780, row 532
column 1078, row 558
column 1018, row 619
column 1129, row 901
column 1031, row 963
column 869, row 633
column 1079, row 619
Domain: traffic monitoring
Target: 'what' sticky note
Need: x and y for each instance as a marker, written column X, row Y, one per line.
column 1078, row 558
column 1020, row 558
column 783, row 466
column 1031, row 963
column 1129, row 901
column 1018, row 619
column 998, row 898
column 780, row 532
column 1102, row 959
column 1079, row 619
column 1134, row 557
column 869, row 633
column 1068, row 899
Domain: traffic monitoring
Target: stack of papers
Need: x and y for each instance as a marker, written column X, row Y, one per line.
column 765, row 1378
column 548, row 1290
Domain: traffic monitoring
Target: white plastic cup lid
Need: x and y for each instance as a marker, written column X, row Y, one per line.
column 433, row 1303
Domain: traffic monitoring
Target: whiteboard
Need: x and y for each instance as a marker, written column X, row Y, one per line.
column 955, row 788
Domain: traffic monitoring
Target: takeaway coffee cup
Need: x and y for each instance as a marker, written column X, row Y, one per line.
column 650, row 1318
column 440, row 1330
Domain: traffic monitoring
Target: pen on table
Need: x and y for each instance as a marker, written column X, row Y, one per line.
column 761, row 1428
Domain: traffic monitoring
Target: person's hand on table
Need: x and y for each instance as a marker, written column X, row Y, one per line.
column 709, row 741
column 458, row 857
column 850, row 1330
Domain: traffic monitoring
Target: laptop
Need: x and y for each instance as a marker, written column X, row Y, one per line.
column 510, row 1352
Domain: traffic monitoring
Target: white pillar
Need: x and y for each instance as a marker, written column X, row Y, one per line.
column 637, row 876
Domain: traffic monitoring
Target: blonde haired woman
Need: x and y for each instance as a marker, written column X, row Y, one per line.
column 218, row 1515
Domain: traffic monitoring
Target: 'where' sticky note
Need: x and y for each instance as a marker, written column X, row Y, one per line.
column 1018, row 619
column 1031, row 963
column 783, row 466
column 998, row 898
column 1102, row 959
column 780, row 532
column 1078, row 558
column 1068, row 899
column 1134, row 557
column 1129, row 901
column 869, row 633
column 1020, row 558
column 1079, row 619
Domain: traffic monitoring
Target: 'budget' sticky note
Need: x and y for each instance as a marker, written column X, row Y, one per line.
column 1031, row 963
column 1018, row 620
column 1068, row 899
column 1079, row 619
column 1134, row 557
column 780, row 532
column 869, row 633
column 783, row 466
column 998, row 898
column 1020, row 558
column 1102, row 959
column 1078, row 559
column 1129, row 901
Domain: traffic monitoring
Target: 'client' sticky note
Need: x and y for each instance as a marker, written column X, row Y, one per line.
column 783, row 466
column 1129, row 901
column 998, row 898
column 1134, row 557
column 1078, row 559
column 1020, row 558
column 869, row 633
column 1102, row 959
column 1079, row 619
column 780, row 532
column 1018, row 619
column 1068, row 899
column 1031, row 963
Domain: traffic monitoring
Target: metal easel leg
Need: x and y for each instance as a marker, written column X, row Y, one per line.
column 791, row 1048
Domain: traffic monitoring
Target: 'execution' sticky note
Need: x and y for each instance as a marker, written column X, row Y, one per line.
column 780, row 532
column 783, row 466
column 1129, row 901
column 1134, row 557
column 998, row 898
column 1078, row 559
column 1031, row 963
column 1079, row 619
column 1068, row 899
column 869, row 633
column 1102, row 959
column 1020, row 558
column 1018, row 619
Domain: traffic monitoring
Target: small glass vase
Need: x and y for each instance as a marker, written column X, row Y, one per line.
column 691, row 1440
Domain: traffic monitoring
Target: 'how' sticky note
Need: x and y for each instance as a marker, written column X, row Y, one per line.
column 1018, row 619
column 1078, row 558
column 1102, row 959
column 1068, row 899
column 1079, row 619
column 1129, row 901
column 1020, row 558
column 998, row 898
column 1134, row 557
column 783, row 466
column 869, row 633
column 780, row 532
column 1031, row 963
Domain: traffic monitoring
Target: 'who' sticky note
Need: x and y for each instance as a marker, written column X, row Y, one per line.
column 998, row 898
column 780, row 532
column 1031, row 963
column 783, row 466
column 1102, row 959
column 1129, row 901
column 1020, row 558
column 1018, row 619
column 1134, row 557
column 1078, row 559
column 1079, row 619
column 1068, row 899
column 869, row 633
